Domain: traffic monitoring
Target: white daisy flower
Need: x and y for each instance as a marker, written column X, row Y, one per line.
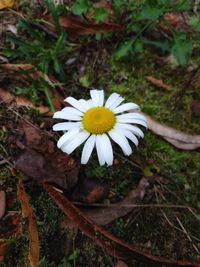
column 97, row 124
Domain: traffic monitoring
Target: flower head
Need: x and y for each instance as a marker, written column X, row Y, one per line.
column 97, row 124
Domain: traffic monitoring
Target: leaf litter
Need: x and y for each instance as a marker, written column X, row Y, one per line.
column 34, row 246
column 41, row 160
column 110, row 243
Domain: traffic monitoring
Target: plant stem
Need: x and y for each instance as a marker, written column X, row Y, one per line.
column 46, row 90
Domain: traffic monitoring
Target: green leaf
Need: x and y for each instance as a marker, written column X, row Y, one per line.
column 117, row 4
column 55, row 14
column 183, row 5
column 151, row 12
column 182, row 48
column 100, row 14
column 59, row 44
column 195, row 22
column 138, row 46
column 164, row 46
column 81, row 7
column 123, row 50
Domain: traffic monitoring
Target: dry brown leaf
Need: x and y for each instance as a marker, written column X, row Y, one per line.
column 175, row 137
column 21, row 101
column 34, row 246
column 41, row 160
column 2, row 203
column 121, row 264
column 10, row 225
column 7, row 4
column 107, row 241
column 90, row 190
column 195, row 106
column 16, row 67
column 158, row 83
column 75, row 26
column 108, row 214
column 2, row 250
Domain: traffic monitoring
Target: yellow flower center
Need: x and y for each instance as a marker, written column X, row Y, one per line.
column 98, row 120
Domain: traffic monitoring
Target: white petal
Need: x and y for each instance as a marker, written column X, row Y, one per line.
column 75, row 142
column 125, row 107
column 101, row 98
column 128, row 134
column 85, row 104
column 87, row 149
column 137, row 131
column 132, row 115
column 117, row 103
column 100, row 152
column 134, row 121
column 107, row 149
column 121, row 141
column 66, row 116
column 67, row 136
column 75, row 103
column 95, row 97
column 73, row 111
column 90, row 103
column 65, row 126
column 112, row 98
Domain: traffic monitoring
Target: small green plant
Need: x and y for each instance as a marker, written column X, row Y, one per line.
column 81, row 7
column 145, row 18
column 46, row 54
column 70, row 260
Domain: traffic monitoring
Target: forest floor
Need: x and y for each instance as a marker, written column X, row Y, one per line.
column 164, row 220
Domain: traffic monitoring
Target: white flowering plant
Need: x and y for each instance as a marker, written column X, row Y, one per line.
column 96, row 122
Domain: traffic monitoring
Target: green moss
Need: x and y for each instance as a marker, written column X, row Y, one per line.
column 16, row 251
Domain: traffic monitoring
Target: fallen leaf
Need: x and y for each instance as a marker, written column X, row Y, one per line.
column 10, row 225
column 42, row 168
column 90, row 190
column 34, row 246
column 177, row 138
column 158, row 83
column 121, row 264
column 2, row 203
column 7, row 4
column 21, row 101
column 108, row 214
column 107, row 241
column 16, row 67
column 41, row 160
column 196, row 107
column 2, row 250
column 75, row 26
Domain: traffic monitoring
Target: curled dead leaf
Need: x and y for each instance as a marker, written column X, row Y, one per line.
column 177, row 138
column 34, row 246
